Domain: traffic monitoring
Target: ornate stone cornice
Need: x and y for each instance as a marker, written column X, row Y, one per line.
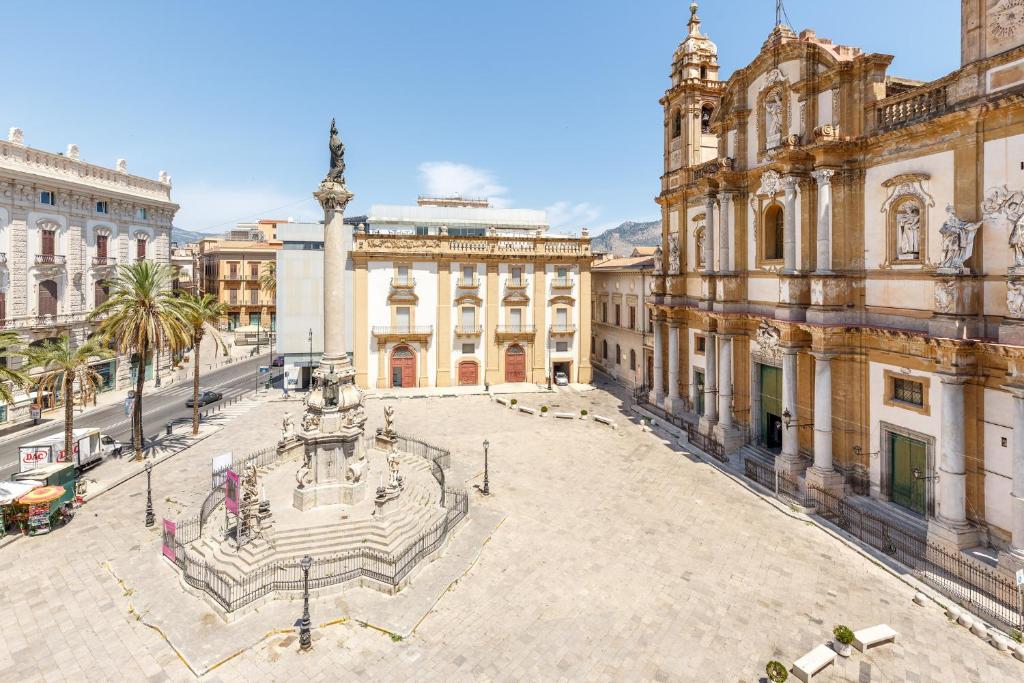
column 333, row 196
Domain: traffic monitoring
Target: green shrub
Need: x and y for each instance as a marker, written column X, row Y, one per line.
column 543, row 409
column 843, row 634
column 515, row 401
column 776, row 672
column 1017, row 635
column 584, row 412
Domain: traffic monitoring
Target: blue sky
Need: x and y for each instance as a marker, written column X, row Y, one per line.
column 539, row 104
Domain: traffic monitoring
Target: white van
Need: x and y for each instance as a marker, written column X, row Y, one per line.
column 90, row 447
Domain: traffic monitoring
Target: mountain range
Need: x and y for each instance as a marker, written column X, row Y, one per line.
column 620, row 240
column 181, row 236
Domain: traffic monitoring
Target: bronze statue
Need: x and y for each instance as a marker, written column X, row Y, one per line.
column 337, row 172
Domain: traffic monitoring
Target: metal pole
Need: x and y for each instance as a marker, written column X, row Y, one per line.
column 487, row 479
column 150, row 517
column 305, row 641
column 311, row 357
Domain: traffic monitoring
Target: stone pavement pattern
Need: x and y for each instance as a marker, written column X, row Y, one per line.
column 618, row 557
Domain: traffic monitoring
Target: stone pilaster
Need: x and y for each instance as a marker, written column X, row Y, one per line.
column 950, row 527
column 658, row 390
column 672, row 403
column 789, row 185
column 709, row 234
column 710, row 417
column 444, row 323
column 823, row 177
column 1013, row 558
column 725, row 233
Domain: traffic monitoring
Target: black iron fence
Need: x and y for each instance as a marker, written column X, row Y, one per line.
column 233, row 593
column 781, row 483
column 980, row 590
column 261, row 458
column 705, row 443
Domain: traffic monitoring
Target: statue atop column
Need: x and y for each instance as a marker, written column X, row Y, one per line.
column 337, row 171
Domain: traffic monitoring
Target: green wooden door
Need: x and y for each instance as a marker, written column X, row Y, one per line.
column 771, row 406
column 907, row 455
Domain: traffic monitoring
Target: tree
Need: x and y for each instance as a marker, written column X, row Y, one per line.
column 61, row 365
column 141, row 314
column 11, row 346
column 204, row 312
column 268, row 278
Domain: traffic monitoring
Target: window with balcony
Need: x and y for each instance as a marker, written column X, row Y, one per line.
column 467, row 274
column 468, row 318
column 618, row 315
column 403, row 317
column 101, row 246
column 254, row 272
column 632, row 317
column 233, row 271
column 48, row 245
column 142, row 213
column 102, row 207
column 254, row 296
column 517, row 273
column 233, row 297
column 515, row 318
column 47, row 197
column 140, row 247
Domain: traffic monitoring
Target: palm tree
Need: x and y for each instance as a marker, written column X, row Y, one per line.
column 141, row 314
column 65, row 366
column 204, row 312
column 268, row 278
column 11, row 346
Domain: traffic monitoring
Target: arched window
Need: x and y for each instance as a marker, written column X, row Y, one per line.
column 774, row 221
column 618, row 355
column 677, row 124
column 705, row 118
column 47, row 303
column 632, row 359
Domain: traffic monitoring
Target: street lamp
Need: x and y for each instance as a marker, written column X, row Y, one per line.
column 487, row 482
column 305, row 642
column 150, row 517
column 787, row 420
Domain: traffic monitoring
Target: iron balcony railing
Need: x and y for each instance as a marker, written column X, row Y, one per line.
column 468, row 330
column 562, row 283
column 516, row 329
column 469, row 283
column 103, row 260
column 403, row 329
column 50, row 259
column 516, row 283
column 403, row 282
column 563, row 329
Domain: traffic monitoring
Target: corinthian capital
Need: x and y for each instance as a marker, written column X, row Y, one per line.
column 789, row 183
column 333, row 196
column 823, row 175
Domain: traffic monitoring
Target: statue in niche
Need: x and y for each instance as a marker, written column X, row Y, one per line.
column 1015, row 214
column 337, row 172
column 1015, row 298
column 698, row 238
column 957, row 242
column 658, row 268
column 673, row 254
column 908, row 231
column 773, row 120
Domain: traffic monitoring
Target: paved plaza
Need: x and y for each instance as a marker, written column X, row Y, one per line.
column 601, row 555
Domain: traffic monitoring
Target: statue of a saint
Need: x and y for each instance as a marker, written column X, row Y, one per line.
column 337, row 172
column 908, row 226
column 673, row 254
column 389, row 421
column 773, row 120
column 957, row 241
column 1015, row 214
column 698, row 239
column 658, row 268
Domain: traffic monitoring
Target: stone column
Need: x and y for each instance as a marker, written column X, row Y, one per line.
column 789, row 184
column 950, row 527
column 334, row 197
column 709, row 234
column 823, row 474
column 1016, row 552
column 790, row 457
column 672, row 402
column 755, row 400
column 824, row 256
column 725, row 382
column 725, row 232
column 658, row 391
column 710, row 418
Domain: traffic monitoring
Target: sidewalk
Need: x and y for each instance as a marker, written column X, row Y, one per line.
column 54, row 418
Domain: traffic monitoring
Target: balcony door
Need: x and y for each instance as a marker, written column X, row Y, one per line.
column 48, row 297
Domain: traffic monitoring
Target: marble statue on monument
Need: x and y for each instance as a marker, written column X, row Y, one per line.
column 333, row 421
column 957, row 242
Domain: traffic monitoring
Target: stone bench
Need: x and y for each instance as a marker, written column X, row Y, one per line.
column 529, row 411
column 501, row 401
column 565, row 416
column 813, row 662
column 876, row 635
column 605, row 420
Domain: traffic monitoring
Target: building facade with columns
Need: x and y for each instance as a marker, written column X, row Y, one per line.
column 454, row 292
column 621, row 339
column 841, row 281
column 65, row 224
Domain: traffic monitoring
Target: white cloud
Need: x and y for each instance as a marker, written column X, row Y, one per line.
column 444, row 178
column 215, row 209
column 568, row 216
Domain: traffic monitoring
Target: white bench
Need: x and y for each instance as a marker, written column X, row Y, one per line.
column 605, row 420
column 501, row 401
column 528, row 411
column 566, row 416
column 813, row 662
column 876, row 635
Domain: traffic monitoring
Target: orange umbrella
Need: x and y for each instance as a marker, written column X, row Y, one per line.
column 42, row 495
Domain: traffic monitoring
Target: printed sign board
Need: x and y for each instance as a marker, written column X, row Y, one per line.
column 1020, row 578
column 170, row 528
column 264, row 369
column 291, row 376
column 35, row 412
column 231, row 491
column 221, row 462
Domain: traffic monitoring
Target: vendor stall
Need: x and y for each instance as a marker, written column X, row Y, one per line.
column 10, row 491
column 42, row 510
column 50, row 505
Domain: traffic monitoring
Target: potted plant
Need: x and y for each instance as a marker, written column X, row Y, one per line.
column 776, row 672
column 543, row 409
column 843, row 636
column 583, row 414
column 514, row 402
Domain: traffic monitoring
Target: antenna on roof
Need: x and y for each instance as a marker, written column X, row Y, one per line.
column 780, row 12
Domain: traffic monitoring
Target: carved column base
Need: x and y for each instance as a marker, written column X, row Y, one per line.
column 826, row 480
column 952, row 537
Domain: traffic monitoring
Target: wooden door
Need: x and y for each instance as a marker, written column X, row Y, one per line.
column 403, row 367
column 48, row 297
column 908, row 455
column 467, row 373
column 515, row 364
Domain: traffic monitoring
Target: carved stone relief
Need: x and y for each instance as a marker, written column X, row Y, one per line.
column 673, row 254
column 945, row 297
column 957, row 242
column 1015, row 298
column 771, row 183
column 1001, row 203
column 768, row 349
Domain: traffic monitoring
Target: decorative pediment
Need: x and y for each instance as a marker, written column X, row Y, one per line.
column 768, row 350
column 402, row 296
column 469, row 299
column 562, row 299
column 905, row 184
column 516, row 297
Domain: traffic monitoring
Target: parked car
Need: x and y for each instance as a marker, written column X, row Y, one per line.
column 561, row 379
column 206, row 397
column 278, row 362
column 110, row 446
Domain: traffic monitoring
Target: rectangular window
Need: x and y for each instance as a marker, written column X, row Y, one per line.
column 101, row 246
column 49, row 242
column 141, row 213
column 515, row 317
column 700, row 341
column 562, row 273
column 468, row 317
column 593, row 345
column 467, row 273
column 468, row 349
column 254, row 271
column 517, row 273
column 618, row 315
column 562, row 317
column 233, row 271
column 140, row 248
column 908, row 391
column 402, row 317
column 403, row 272
column 102, row 207
column 650, row 321
column 233, row 297
column 47, row 197
column 254, row 296
column 632, row 317
column 561, row 347
column 254, row 319
column 604, row 312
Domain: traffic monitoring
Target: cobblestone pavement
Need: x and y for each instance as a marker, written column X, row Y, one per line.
column 617, row 557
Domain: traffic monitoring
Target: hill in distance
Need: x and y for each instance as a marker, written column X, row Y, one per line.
column 621, row 239
column 181, row 236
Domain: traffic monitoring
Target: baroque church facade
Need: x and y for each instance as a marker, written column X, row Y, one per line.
column 840, row 284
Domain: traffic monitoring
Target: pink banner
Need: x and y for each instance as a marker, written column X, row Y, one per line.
column 231, row 491
column 170, row 529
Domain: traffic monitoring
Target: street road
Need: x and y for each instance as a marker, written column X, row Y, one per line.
column 158, row 409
